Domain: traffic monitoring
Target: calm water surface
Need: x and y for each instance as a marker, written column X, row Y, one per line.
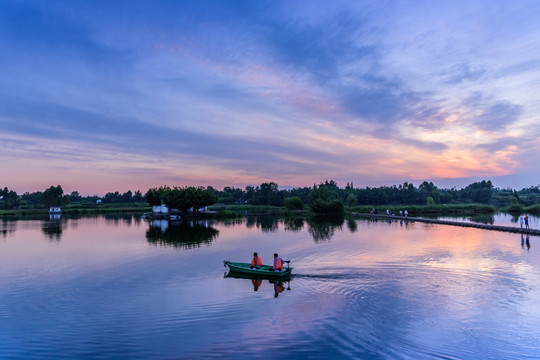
column 502, row 219
column 119, row 287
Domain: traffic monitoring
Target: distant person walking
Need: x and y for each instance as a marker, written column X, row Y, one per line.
column 406, row 213
column 526, row 221
column 521, row 221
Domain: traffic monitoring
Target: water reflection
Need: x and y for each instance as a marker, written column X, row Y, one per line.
column 54, row 227
column 7, row 227
column 322, row 229
column 483, row 219
column 402, row 223
column 352, row 225
column 278, row 286
column 184, row 234
column 122, row 219
column 293, row 224
column 256, row 284
column 266, row 223
column 525, row 241
column 384, row 292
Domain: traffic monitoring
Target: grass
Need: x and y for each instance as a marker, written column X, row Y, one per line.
column 237, row 210
column 441, row 209
column 80, row 208
column 245, row 208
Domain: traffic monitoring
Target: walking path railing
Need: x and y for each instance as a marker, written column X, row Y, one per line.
column 513, row 229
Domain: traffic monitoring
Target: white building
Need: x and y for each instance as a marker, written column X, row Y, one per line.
column 160, row 209
column 55, row 210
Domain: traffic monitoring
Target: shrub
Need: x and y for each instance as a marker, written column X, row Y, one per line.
column 294, row 203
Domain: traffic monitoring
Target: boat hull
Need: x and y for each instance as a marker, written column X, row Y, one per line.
column 263, row 273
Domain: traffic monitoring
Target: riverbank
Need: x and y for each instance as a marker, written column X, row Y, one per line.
column 442, row 209
column 413, row 210
column 80, row 209
column 236, row 210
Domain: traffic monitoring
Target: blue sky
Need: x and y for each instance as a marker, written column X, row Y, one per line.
column 101, row 96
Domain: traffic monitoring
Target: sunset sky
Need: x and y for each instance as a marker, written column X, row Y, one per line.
column 101, row 96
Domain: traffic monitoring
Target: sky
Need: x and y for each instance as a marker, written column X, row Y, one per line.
column 104, row 96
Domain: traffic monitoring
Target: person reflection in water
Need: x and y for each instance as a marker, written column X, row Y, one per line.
column 256, row 284
column 278, row 288
column 525, row 242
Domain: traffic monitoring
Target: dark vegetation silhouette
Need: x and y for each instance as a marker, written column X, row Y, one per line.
column 323, row 198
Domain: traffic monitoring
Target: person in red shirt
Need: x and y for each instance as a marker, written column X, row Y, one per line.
column 278, row 263
column 256, row 262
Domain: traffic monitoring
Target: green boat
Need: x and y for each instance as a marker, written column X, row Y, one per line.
column 264, row 272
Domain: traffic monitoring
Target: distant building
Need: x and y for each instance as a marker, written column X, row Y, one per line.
column 55, row 210
column 160, row 209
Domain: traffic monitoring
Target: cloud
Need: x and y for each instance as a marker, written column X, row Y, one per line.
column 493, row 115
column 463, row 72
column 296, row 92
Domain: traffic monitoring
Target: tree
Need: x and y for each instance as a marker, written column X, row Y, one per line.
column 138, row 196
column 9, row 199
column 351, row 200
column 429, row 190
column 155, row 196
column 32, row 198
column 266, row 193
column 323, row 199
column 202, row 197
column 127, row 197
column 294, row 203
column 75, row 196
column 478, row 191
column 54, row 196
column 181, row 198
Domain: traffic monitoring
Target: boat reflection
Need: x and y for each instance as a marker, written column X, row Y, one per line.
column 185, row 234
column 278, row 285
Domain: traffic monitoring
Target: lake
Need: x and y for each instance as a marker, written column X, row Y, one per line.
column 118, row 287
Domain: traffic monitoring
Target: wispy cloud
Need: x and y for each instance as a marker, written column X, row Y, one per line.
column 243, row 92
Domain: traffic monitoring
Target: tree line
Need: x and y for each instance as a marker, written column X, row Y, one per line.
column 323, row 197
column 404, row 194
column 181, row 198
column 54, row 196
